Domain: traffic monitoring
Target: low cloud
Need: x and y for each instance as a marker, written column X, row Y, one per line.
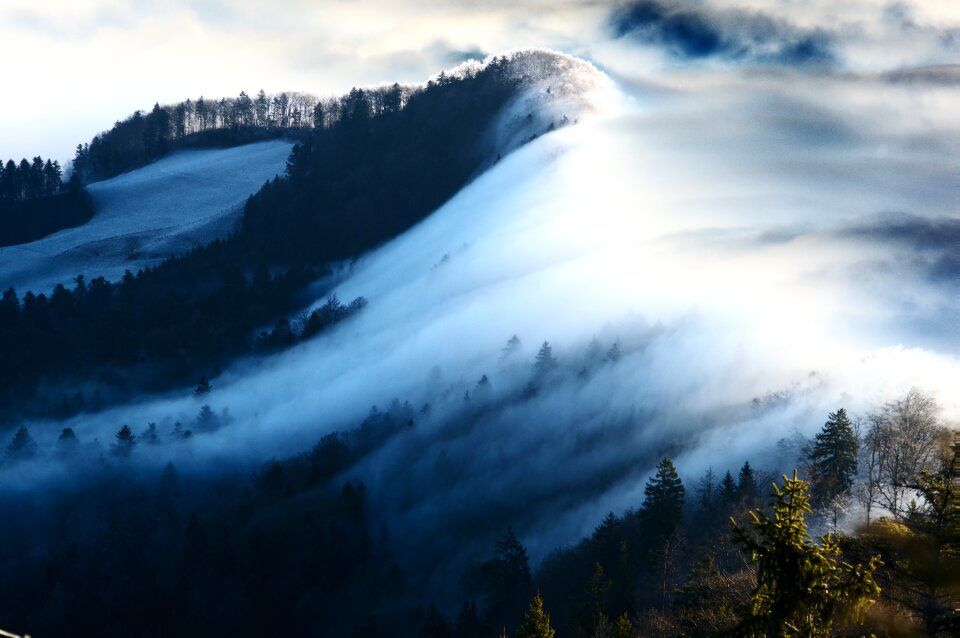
column 694, row 31
column 728, row 236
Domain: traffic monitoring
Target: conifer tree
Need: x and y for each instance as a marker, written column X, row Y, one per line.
column 833, row 459
column 125, row 440
column 203, row 387
column 545, row 362
column 624, row 627
column 728, row 490
column 67, row 442
column 536, row 622
column 802, row 588
column 747, row 483
column 663, row 500
column 507, row 574
column 22, row 446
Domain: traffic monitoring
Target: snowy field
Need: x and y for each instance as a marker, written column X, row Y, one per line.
column 147, row 215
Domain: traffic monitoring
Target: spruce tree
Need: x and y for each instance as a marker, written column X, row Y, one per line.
column 125, row 440
column 545, row 362
column 747, row 484
column 802, row 589
column 536, row 622
column 507, row 574
column 203, row 386
column 22, row 446
column 833, row 459
column 67, row 442
column 624, row 627
column 663, row 500
column 728, row 490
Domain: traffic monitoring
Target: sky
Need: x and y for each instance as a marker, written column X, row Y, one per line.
column 80, row 65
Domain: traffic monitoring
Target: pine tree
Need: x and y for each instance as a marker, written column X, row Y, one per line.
column 833, row 459
column 507, row 574
column 663, row 501
column 613, row 354
column 22, row 446
column 606, row 539
column 513, row 345
column 203, row 387
column 624, row 627
column 747, row 484
column 67, row 442
column 802, row 589
column 536, row 622
column 728, row 490
column 125, row 440
column 545, row 362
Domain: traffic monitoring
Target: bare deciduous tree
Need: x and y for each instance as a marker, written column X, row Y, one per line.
column 901, row 439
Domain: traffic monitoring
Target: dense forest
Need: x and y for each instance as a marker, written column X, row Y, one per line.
column 34, row 201
column 382, row 162
column 145, row 137
column 293, row 548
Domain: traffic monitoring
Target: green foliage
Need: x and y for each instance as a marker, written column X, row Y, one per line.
column 802, row 588
column 833, row 459
column 536, row 622
column 624, row 628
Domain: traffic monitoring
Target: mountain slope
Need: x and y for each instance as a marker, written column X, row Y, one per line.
column 147, row 215
column 730, row 303
column 705, row 296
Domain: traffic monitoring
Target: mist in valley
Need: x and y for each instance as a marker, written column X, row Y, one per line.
column 716, row 255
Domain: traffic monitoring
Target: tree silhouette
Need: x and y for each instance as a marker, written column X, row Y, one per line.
column 747, row 487
column 22, row 446
column 545, row 362
column 507, row 574
column 124, row 441
column 662, row 507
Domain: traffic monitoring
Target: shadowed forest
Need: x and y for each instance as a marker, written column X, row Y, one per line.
column 296, row 546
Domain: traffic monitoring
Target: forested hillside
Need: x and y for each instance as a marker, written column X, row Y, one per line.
column 295, row 548
column 35, row 202
column 145, row 137
column 383, row 161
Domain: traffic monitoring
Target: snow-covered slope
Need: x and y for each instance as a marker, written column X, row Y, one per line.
column 146, row 215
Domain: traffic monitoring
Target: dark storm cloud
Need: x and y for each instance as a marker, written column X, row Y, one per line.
column 692, row 31
column 935, row 242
